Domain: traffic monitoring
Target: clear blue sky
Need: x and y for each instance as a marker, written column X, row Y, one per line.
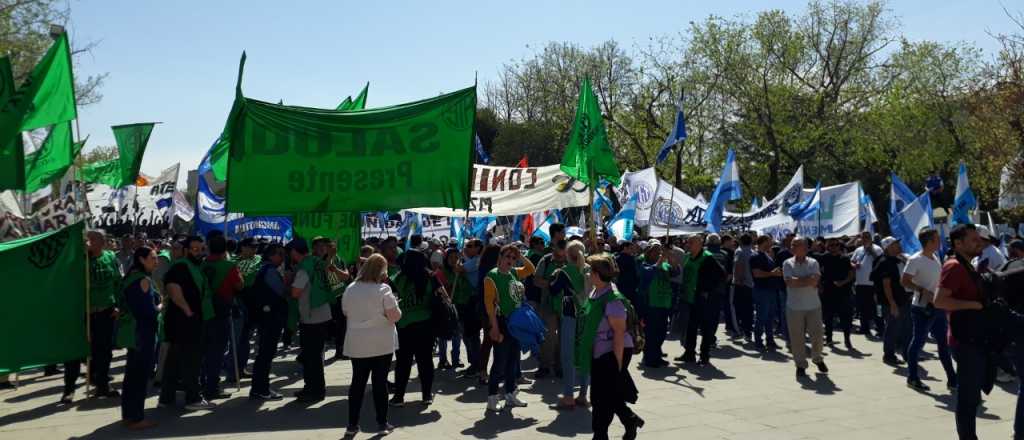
column 175, row 62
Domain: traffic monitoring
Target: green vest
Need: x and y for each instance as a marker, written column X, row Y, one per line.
column 414, row 308
column 205, row 295
column 659, row 295
column 510, row 291
column 125, row 319
column 691, row 270
column 249, row 268
column 462, row 291
column 554, row 302
column 593, row 313
column 104, row 281
column 319, row 292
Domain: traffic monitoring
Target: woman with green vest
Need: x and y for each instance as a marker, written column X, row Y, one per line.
column 503, row 293
column 415, row 287
column 571, row 288
column 137, row 332
column 604, row 349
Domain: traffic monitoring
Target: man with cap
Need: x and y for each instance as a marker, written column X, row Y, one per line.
column 887, row 275
column 991, row 257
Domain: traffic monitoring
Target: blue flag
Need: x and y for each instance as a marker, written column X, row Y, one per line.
column 964, row 201
column 807, row 208
column 677, row 135
column 900, row 196
column 481, row 153
column 543, row 229
column 483, row 224
column 412, row 224
column 728, row 189
column 621, row 226
column 908, row 222
column 458, row 231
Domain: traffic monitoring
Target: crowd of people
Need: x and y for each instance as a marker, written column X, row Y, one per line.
column 189, row 311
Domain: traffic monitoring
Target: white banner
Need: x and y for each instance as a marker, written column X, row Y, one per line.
column 644, row 184
column 839, row 215
column 512, row 191
column 143, row 206
column 182, row 208
column 677, row 213
column 57, row 214
column 433, row 226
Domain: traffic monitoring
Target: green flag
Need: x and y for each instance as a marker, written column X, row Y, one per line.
column 52, row 160
column 131, row 144
column 43, row 318
column 360, row 102
column 588, row 155
column 297, row 159
column 345, row 228
column 50, row 88
column 345, row 105
column 107, row 172
column 12, row 151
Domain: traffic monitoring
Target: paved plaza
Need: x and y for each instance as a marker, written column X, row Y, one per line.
column 744, row 395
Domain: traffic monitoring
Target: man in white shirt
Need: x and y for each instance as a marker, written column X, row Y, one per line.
column 803, row 307
column 863, row 259
column 921, row 277
column 991, row 257
column 313, row 322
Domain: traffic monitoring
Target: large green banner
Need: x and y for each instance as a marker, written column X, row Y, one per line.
column 297, row 159
column 345, row 228
column 43, row 318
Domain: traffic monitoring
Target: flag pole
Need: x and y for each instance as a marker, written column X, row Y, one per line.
column 672, row 196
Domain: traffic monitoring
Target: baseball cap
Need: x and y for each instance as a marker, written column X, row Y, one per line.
column 984, row 232
column 888, row 241
column 653, row 242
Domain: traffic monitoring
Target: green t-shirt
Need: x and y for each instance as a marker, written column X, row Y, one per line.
column 463, row 291
column 660, row 293
column 511, row 291
column 414, row 308
column 104, row 281
column 691, row 270
column 554, row 302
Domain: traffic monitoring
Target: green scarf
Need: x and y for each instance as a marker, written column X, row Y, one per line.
column 125, row 320
column 593, row 313
column 319, row 291
column 691, row 270
column 204, row 289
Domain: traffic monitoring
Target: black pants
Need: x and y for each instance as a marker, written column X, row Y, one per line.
column 101, row 347
column 216, row 335
column 743, row 307
column 340, row 326
column 470, row 334
column 971, row 363
column 704, row 316
column 836, row 303
column 867, row 308
column 415, row 341
column 363, row 369
column 136, row 376
column 270, row 325
column 608, row 388
column 311, row 341
column 182, row 367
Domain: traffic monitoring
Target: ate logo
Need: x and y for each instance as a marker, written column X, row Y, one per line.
column 44, row 253
column 586, row 133
column 459, row 114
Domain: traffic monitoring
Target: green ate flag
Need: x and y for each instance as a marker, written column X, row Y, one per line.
column 297, row 159
column 345, row 228
column 43, row 318
column 131, row 145
column 345, row 105
column 589, row 156
column 12, row 151
column 360, row 102
column 50, row 88
column 52, row 160
column 107, row 172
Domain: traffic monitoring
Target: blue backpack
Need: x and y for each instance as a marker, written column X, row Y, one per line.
column 526, row 326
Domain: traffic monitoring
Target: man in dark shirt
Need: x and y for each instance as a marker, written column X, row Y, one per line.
column 183, row 326
column 628, row 280
column 767, row 276
column 887, row 275
column 836, row 280
column 1016, row 264
column 710, row 290
column 961, row 297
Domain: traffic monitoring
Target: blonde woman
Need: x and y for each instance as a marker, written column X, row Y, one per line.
column 371, row 311
column 571, row 286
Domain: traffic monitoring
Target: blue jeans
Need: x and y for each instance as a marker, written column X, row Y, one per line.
column 567, row 336
column 766, row 304
column 456, row 344
column 897, row 331
column 783, row 325
column 927, row 321
column 657, row 325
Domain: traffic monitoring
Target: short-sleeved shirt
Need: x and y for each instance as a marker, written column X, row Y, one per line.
column 867, row 262
column 603, row 341
column 307, row 315
column 891, row 268
column 369, row 333
column 834, row 268
column 763, row 261
column 179, row 328
column 801, row 298
column 964, row 325
column 741, row 274
column 924, row 271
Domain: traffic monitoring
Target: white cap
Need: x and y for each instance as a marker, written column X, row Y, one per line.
column 888, row 241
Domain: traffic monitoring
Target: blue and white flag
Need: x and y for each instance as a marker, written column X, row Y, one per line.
column 601, row 201
column 543, row 229
column 964, row 201
column 517, row 227
column 481, row 153
column 907, row 223
column 900, row 196
column 807, row 208
column 621, row 226
column 677, row 135
column 458, row 231
column 755, row 203
column 210, row 216
column 483, row 224
column 412, row 224
column 728, row 189
column 867, row 210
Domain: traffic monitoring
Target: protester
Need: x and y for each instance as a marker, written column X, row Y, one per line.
column 549, row 307
column 416, row 288
column 628, row 280
column 607, row 347
column 837, row 275
column 705, row 281
column 921, row 276
column 453, row 277
column 960, row 295
column 488, row 261
column 104, row 277
column 225, row 282
column 503, row 293
column 572, row 285
column 863, row 260
column 991, row 257
column 191, row 304
column 371, row 311
column 767, row 273
column 141, row 300
column 803, row 307
column 1016, row 264
column 887, row 274
column 656, row 283
column 743, row 288
column 269, row 293
column 244, row 310
column 166, row 260
column 469, row 312
column 310, row 289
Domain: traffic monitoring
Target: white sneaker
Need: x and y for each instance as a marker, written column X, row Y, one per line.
column 493, row 403
column 512, row 400
column 200, row 405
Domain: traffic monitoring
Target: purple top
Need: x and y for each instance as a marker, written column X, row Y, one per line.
column 603, row 339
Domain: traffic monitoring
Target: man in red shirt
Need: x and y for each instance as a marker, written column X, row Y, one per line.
column 961, row 297
column 225, row 281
